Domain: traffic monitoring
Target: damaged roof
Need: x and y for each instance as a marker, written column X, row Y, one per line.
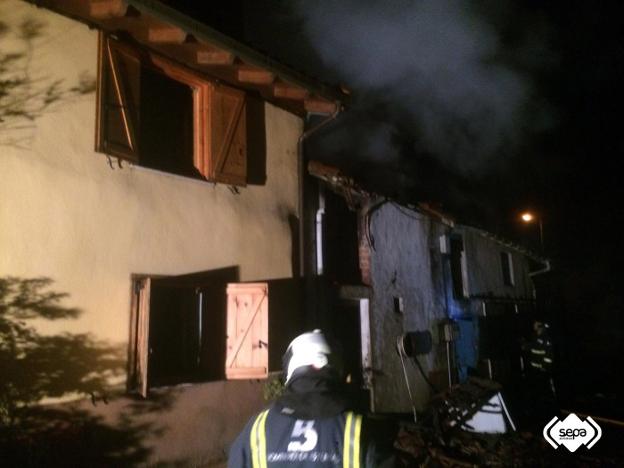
column 202, row 48
column 357, row 196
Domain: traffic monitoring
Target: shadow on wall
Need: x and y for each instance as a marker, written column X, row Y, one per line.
column 256, row 141
column 35, row 366
column 26, row 94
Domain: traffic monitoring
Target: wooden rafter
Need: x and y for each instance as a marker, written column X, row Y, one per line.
column 288, row 91
column 166, row 35
column 105, row 9
column 319, row 106
column 254, row 75
column 208, row 55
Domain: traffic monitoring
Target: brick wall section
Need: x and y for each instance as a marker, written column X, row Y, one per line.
column 364, row 250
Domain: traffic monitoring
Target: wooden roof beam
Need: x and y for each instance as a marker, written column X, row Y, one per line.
column 166, row 34
column 106, row 9
column 288, row 91
column 319, row 106
column 254, row 75
column 208, row 55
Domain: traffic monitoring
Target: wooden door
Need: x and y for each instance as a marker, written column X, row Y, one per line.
column 247, row 354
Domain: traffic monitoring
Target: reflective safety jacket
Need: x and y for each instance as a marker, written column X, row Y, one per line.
column 540, row 356
column 274, row 439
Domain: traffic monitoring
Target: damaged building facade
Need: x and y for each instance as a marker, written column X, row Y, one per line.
column 467, row 295
column 164, row 192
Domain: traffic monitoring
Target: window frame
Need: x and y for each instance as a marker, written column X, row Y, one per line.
column 205, row 93
column 507, row 268
column 458, row 267
column 201, row 103
column 139, row 356
column 253, row 343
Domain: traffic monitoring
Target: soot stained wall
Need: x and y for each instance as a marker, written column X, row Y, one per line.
column 404, row 261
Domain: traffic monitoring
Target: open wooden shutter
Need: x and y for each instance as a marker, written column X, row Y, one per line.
column 118, row 100
column 139, row 338
column 228, row 136
column 247, row 355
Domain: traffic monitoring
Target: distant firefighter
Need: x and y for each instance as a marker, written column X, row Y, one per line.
column 540, row 349
column 538, row 358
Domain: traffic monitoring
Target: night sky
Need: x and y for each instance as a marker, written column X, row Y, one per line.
column 485, row 108
column 566, row 166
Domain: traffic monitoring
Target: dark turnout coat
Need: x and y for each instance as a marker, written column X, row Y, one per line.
column 309, row 426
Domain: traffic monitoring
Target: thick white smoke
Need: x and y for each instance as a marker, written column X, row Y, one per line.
column 433, row 64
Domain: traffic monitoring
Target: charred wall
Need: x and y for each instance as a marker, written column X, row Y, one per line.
column 403, row 261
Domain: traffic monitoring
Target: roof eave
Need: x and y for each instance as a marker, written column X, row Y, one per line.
column 246, row 53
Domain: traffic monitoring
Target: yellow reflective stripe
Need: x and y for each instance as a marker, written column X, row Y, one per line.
column 253, row 443
column 257, row 441
column 356, row 441
column 346, row 449
column 262, row 455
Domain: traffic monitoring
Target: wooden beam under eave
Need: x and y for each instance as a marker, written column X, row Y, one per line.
column 254, row 75
column 287, row 91
column 214, row 56
column 166, row 35
column 106, row 9
column 319, row 106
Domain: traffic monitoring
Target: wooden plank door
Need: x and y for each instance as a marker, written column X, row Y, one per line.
column 247, row 354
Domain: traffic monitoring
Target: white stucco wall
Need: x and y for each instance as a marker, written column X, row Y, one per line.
column 66, row 214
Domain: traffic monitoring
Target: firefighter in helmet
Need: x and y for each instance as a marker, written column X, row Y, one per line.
column 310, row 425
column 540, row 349
column 539, row 393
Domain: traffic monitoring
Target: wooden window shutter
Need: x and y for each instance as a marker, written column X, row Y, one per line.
column 118, row 98
column 247, row 355
column 228, row 136
column 139, row 338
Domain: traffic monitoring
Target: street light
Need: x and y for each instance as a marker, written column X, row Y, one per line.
column 528, row 217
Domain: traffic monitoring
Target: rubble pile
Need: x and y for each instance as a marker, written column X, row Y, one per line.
column 442, row 438
column 421, row 447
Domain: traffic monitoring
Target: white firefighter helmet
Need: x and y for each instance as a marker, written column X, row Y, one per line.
column 308, row 349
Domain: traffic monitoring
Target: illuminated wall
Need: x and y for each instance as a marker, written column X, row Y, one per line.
column 70, row 214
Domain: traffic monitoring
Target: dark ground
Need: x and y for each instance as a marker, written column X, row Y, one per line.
column 518, row 449
column 437, row 441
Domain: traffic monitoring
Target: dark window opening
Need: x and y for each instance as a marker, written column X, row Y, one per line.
column 457, row 267
column 179, row 328
column 507, row 267
column 174, row 335
column 344, row 334
column 166, row 124
column 340, row 243
column 186, row 332
column 347, row 340
column 156, row 113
